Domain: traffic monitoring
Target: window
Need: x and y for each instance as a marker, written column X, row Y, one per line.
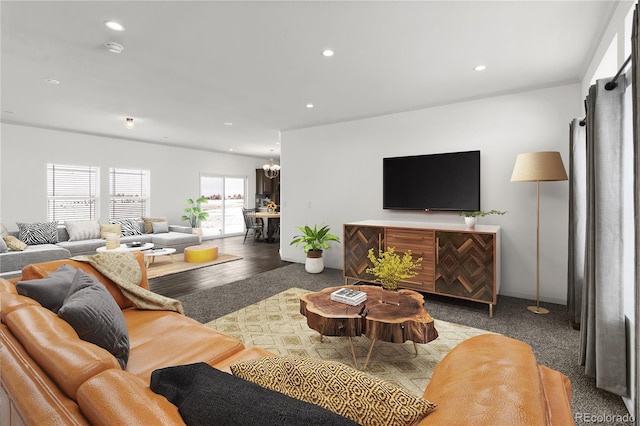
column 226, row 196
column 72, row 192
column 128, row 193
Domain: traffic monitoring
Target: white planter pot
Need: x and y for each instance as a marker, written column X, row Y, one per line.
column 314, row 265
column 470, row 222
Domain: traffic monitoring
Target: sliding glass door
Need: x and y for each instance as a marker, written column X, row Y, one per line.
column 225, row 198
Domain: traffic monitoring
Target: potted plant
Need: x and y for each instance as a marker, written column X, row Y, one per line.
column 470, row 216
column 389, row 268
column 194, row 214
column 315, row 240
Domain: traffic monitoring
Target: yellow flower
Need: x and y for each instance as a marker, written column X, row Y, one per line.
column 271, row 205
column 389, row 268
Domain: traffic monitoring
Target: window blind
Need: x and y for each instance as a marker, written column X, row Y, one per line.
column 128, row 193
column 72, row 192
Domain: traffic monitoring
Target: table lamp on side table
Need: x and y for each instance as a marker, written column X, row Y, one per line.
column 537, row 167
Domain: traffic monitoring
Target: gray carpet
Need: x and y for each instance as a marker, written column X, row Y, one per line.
column 554, row 342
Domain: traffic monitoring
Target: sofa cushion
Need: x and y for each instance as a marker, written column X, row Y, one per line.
column 82, row 229
column 206, row 396
column 149, row 221
column 110, row 228
column 38, row 232
column 129, row 226
column 14, row 244
column 95, row 316
column 336, row 387
column 3, row 230
column 160, row 227
column 3, row 246
column 50, row 291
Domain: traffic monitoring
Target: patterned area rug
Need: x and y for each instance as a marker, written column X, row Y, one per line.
column 163, row 266
column 276, row 324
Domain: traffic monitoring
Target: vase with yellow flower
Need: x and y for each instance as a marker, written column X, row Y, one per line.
column 271, row 206
column 389, row 268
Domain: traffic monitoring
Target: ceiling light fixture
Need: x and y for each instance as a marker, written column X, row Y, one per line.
column 113, row 25
column 114, row 47
column 128, row 123
column 51, row 81
column 228, row 123
column 480, row 68
column 327, row 53
column 271, row 170
column 310, row 106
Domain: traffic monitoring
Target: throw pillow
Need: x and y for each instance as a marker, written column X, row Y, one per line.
column 207, row 396
column 160, row 227
column 110, row 229
column 38, row 233
column 13, row 243
column 93, row 313
column 3, row 246
column 129, row 226
column 51, row 290
column 79, row 230
column 148, row 223
column 3, row 230
column 361, row 397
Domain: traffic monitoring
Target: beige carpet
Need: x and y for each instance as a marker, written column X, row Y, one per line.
column 163, row 266
column 276, row 324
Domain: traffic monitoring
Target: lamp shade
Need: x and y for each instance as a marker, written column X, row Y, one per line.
column 538, row 166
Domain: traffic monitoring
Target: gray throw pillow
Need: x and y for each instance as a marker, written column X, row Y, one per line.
column 160, row 227
column 90, row 309
column 51, row 290
column 3, row 246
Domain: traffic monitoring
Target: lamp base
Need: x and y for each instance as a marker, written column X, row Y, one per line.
column 538, row 310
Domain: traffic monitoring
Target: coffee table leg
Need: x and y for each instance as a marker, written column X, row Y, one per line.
column 353, row 353
column 366, row 363
column 415, row 347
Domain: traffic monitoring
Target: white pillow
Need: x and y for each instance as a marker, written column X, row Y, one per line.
column 160, row 227
column 79, row 230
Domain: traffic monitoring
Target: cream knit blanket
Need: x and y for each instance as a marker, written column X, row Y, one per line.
column 124, row 270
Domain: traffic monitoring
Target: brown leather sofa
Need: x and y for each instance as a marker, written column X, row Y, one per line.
column 50, row 376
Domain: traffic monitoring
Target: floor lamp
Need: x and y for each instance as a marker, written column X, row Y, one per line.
column 537, row 167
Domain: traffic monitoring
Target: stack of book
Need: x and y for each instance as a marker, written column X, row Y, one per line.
column 348, row 296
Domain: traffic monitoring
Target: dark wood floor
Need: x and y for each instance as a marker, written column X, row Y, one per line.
column 256, row 258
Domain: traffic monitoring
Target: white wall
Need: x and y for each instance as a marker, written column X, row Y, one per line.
column 334, row 175
column 175, row 172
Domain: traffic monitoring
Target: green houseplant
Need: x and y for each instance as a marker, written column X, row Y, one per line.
column 194, row 213
column 314, row 241
column 470, row 216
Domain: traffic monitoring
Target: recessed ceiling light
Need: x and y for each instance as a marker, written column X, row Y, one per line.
column 51, row 81
column 113, row 25
column 327, row 53
column 310, row 106
column 480, row 68
column 228, row 123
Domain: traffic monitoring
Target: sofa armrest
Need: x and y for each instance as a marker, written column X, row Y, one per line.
column 557, row 390
column 181, row 228
column 117, row 397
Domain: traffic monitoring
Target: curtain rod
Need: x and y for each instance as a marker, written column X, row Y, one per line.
column 611, row 84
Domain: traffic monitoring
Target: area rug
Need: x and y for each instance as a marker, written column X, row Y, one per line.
column 276, row 324
column 163, row 266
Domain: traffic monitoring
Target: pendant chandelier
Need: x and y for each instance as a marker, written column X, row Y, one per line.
column 271, row 170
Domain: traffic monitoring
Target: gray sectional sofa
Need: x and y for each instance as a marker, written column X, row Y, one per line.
column 12, row 262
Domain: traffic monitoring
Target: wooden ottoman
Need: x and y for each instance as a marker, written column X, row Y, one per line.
column 198, row 254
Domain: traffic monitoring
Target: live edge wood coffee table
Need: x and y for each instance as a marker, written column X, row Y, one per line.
column 373, row 318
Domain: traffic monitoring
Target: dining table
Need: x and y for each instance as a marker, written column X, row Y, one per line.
column 272, row 222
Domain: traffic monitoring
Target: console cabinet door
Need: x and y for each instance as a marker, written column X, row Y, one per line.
column 465, row 265
column 357, row 242
column 421, row 244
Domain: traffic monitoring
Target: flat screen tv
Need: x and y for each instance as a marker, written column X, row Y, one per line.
column 449, row 181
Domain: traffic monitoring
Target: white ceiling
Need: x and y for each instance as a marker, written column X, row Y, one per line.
column 189, row 67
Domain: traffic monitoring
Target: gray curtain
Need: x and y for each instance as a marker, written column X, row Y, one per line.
column 635, row 72
column 602, row 327
column 577, row 218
